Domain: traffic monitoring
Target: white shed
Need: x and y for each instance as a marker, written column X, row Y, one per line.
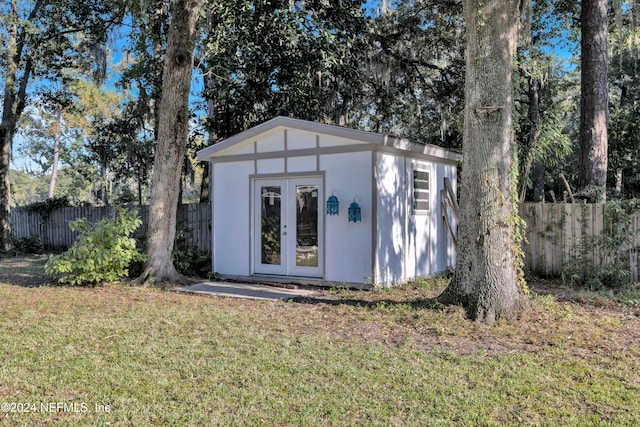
column 270, row 191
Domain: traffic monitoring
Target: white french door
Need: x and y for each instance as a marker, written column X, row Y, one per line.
column 288, row 226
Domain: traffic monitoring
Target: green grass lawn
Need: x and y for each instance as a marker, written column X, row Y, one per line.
column 155, row 357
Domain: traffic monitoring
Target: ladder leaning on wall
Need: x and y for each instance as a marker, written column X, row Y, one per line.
column 449, row 204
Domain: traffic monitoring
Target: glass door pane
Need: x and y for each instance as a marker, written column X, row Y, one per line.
column 287, row 227
column 270, row 225
column 306, row 225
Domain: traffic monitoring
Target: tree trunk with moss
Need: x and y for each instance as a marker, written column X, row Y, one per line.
column 487, row 280
column 173, row 128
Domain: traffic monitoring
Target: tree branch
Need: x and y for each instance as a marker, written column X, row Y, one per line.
column 22, row 91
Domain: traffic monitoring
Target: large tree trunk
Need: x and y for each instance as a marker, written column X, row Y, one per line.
column 6, row 139
column 209, row 84
column 486, row 280
column 7, row 129
column 205, row 184
column 13, row 103
column 172, row 137
column 594, row 100
column 5, row 198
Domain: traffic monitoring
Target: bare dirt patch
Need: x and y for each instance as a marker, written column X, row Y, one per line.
column 556, row 318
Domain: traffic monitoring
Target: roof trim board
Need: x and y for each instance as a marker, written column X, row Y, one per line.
column 372, row 138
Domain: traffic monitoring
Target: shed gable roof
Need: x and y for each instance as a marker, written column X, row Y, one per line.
column 359, row 136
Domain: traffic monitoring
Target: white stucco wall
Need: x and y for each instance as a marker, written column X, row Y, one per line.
column 247, row 148
column 300, row 139
column 231, row 217
column 348, row 252
column 271, row 141
column 270, row 166
column 302, row 164
column 409, row 244
column 391, row 206
column 335, row 141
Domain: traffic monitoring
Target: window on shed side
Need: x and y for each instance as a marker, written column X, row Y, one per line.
column 421, row 193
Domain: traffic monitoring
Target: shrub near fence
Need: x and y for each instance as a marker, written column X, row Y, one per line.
column 194, row 220
column 558, row 233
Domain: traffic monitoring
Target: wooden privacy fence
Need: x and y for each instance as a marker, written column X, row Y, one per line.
column 561, row 232
column 555, row 231
column 194, row 224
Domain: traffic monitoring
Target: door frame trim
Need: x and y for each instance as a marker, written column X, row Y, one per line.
column 321, row 216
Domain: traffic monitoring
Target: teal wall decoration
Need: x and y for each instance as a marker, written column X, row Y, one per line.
column 355, row 214
column 332, row 205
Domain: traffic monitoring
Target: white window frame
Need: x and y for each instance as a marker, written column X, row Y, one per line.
column 421, row 168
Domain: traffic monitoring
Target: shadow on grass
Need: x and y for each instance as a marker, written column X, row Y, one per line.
column 414, row 304
column 539, row 288
column 23, row 270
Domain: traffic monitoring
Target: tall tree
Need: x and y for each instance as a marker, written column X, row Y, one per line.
column 173, row 123
column 624, row 129
column 486, row 280
column 122, row 150
column 12, row 107
column 540, row 139
column 594, row 99
column 60, row 127
column 39, row 43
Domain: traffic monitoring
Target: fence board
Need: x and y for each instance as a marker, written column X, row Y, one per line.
column 633, row 266
column 556, row 238
column 547, row 238
column 555, row 230
column 53, row 229
column 635, row 259
column 539, row 229
column 568, row 230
